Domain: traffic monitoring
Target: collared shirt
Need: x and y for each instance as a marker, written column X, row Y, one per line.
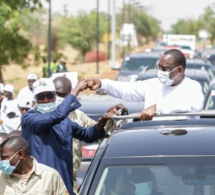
column 43, row 180
column 25, row 93
column 184, row 97
column 82, row 119
column 50, row 137
column 9, row 103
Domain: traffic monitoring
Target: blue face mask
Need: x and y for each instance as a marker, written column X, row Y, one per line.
column 143, row 188
column 6, row 167
column 47, row 107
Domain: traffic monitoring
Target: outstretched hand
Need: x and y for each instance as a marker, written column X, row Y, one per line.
column 93, row 84
column 81, row 85
column 148, row 113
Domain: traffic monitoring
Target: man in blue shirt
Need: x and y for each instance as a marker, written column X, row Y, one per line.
column 49, row 131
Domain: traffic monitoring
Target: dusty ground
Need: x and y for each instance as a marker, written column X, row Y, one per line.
column 16, row 76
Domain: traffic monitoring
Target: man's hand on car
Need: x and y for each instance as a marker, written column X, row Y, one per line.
column 118, row 109
column 148, row 113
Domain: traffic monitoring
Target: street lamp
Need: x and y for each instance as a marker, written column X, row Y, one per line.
column 49, row 40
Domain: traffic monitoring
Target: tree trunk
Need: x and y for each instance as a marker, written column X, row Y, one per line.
column 1, row 75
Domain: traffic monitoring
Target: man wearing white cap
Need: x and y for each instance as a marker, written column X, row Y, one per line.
column 9, row 101
column 12, row 120
column 24, row 105
column 49, row 131
column 27, row 92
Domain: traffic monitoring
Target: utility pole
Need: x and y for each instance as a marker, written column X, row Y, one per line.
column 49, row 39
column 97, row 38
column 108, row 32
column 123, row 21
column 113, row 49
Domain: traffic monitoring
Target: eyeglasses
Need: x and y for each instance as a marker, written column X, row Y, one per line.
column 48, row 95
column 165, row 68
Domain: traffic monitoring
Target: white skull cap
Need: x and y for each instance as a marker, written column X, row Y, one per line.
column 32, row 76
column 9, row 88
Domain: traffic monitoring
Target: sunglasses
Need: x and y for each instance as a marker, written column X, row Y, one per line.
column 24, row 109
column 48, row 95
column 165, row 68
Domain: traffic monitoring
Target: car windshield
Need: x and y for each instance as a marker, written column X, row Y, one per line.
column 196, row 178
column 139, row 64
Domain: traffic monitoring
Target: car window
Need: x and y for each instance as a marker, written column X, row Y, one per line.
column 208, row 69
column 205, row 86
column 210, row 104
column 139, row 64
column 158, row 179
column 212, row 59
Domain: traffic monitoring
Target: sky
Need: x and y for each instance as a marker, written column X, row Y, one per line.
column 166, row 11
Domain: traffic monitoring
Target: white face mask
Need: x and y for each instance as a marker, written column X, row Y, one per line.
column 59, row 100
column 47, row 107
column 164, row 77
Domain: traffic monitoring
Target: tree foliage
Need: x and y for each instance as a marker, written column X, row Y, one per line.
column 208, row 22
column 80, row 31
column 146, row 25
column 14, row 47
column 188, row 26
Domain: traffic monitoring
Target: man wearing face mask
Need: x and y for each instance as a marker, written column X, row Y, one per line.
column 21, row 173
column 49, row 131
column 170, row 92
column 63, row 88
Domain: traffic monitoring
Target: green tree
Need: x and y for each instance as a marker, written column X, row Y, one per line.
column 207, row 20
column 186, row 26
column 146, row 25
column 14, row 47
column 80, row 31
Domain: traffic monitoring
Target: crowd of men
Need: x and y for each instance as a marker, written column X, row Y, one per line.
column 40, row 127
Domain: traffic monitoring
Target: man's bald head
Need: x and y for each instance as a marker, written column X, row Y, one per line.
column 3, row 136
column 16, row 143
column 63, row 86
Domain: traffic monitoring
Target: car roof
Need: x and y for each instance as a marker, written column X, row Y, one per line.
column 144, row 55
column 208, row 51
column 198, row 62
column 151, row 73
column 159, row 140
column 197, row 73
column 191, row 73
